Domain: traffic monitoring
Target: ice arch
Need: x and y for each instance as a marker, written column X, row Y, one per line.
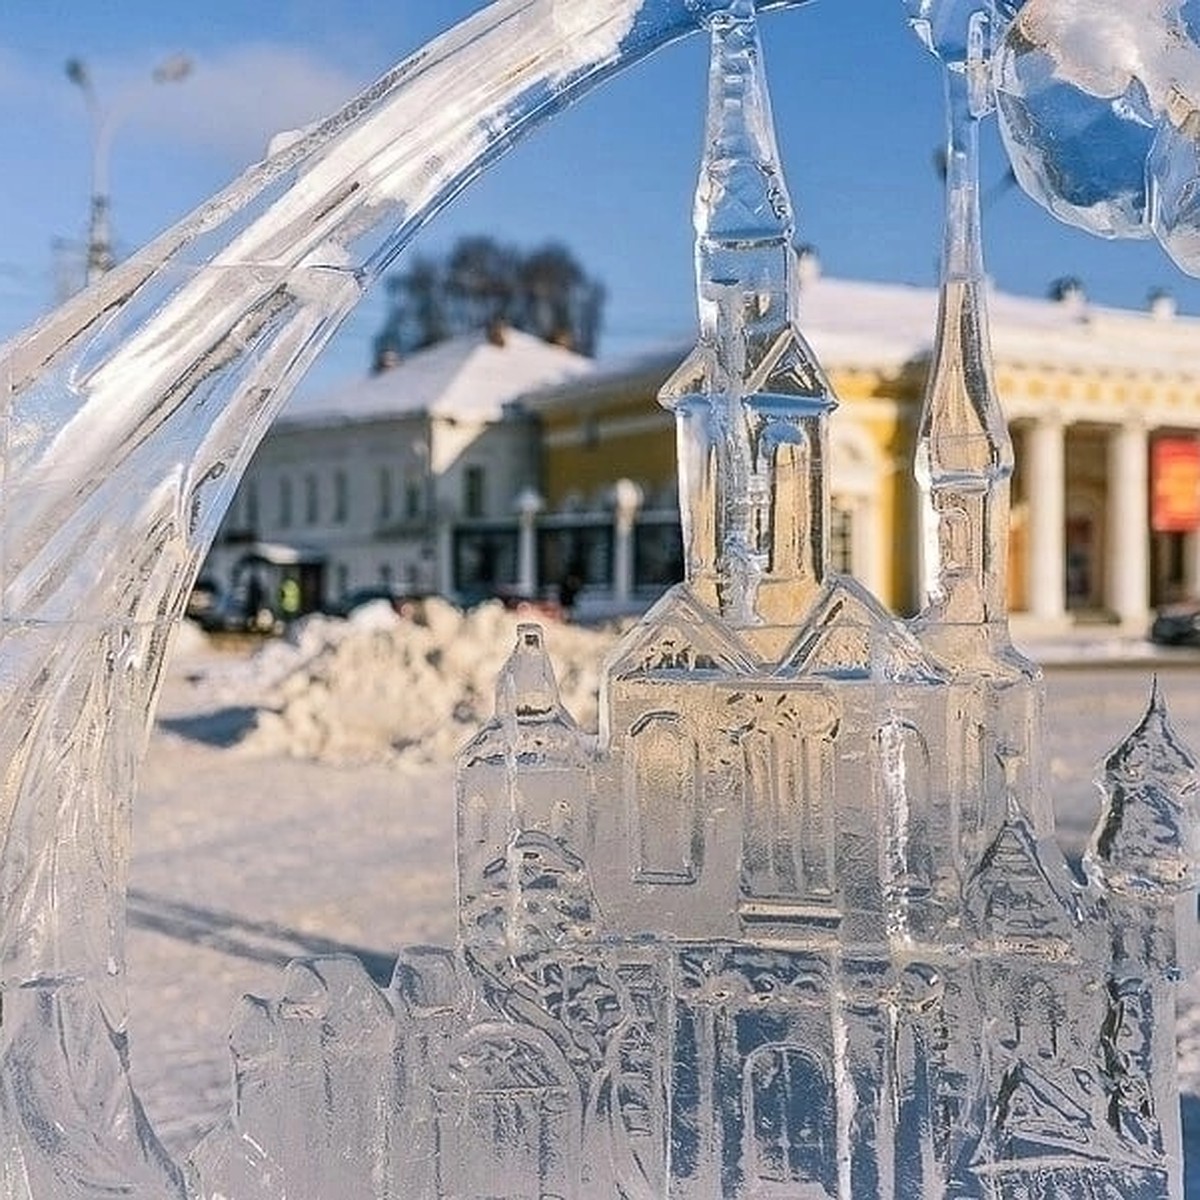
column 130, row 415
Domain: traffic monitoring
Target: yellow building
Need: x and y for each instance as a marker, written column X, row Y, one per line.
column 1104, row 408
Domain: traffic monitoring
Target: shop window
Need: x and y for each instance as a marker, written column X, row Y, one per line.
column 473, row 491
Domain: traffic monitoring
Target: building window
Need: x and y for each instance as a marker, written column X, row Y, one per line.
column 385, row 494
column 342, row 575
column 385, row 574
column 473, row 489
column 285, row 502
column 311, row 500
column 341, row 497
column 412, row 499
column 841, row 540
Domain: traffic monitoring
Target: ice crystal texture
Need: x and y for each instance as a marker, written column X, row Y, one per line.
column 795, row 923
column 1099, row 105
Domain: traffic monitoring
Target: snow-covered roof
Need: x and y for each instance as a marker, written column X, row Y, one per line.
column 852, row 323
column 469, row 377
column 882, row 326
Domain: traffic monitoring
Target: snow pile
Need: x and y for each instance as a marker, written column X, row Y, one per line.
column 189, row 642
column 382, row 687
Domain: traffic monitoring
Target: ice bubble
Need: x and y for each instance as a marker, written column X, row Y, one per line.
column 1098, row 109
column 1081, row 155
column 1099, row 105
column 1079, row 88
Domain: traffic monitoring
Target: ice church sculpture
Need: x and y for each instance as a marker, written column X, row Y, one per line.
column 795, row 924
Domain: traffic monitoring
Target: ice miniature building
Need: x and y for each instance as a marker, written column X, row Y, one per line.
column 795, row 924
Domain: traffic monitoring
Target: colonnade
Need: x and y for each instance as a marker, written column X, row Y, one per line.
column 1124, row 588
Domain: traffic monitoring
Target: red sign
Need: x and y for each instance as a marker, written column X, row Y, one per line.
column 1175, row 472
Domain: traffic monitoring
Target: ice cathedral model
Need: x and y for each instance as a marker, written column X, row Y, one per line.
column 795, row 924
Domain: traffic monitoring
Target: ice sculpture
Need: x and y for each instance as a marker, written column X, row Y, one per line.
column 1100, row 110
column 129, row 416
column 795, row 923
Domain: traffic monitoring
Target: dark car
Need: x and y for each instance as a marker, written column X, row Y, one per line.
column 513, row 600
column 204, row 602
column 406, row 603
column 1177, row 624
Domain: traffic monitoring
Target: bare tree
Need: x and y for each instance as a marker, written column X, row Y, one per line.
column 482, row 282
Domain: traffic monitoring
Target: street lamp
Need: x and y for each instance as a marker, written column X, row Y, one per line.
column 104, row 125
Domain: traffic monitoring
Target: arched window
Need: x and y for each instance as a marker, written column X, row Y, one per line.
column 791, row 1135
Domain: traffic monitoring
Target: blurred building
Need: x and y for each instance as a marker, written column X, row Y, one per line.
column 410, row 478
column 498, row 462
column 1104, row 406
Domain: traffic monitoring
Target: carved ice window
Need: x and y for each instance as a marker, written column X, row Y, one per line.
column 662, row 790
column 791, row 1128
column 508, row 1122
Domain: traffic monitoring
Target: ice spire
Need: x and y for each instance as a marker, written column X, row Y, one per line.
column 750, row 401
column 1146, row 843
column 964, row 453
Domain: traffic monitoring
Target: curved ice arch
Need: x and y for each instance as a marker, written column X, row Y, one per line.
column 130, row 415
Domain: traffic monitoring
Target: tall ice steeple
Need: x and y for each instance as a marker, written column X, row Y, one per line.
column 750, row 401
column 964, row 452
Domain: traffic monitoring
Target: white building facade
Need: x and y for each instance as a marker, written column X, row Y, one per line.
column 411, row 479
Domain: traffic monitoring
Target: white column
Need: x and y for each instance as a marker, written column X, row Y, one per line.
column 1045, row 488
column 1191, row 563
column 528, row 505
column 627, row 499
column 1127, row 521
column 445, row 555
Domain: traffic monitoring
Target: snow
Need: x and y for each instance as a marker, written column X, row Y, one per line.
column 252, row 848
column 378, row 688
column 467, row 377
column 866, row 325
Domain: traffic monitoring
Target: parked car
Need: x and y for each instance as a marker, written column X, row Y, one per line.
column 406, row 603
column 203, row 602
column 515, row 601
column 1177, row 624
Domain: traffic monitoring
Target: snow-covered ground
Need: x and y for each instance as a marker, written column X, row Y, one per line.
column 301, row 802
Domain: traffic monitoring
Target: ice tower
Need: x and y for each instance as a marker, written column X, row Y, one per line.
column 795, row 924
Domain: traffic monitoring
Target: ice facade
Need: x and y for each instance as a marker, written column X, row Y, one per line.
column 795, row 923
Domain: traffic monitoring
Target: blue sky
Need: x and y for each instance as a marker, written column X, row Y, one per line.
column 857, row 100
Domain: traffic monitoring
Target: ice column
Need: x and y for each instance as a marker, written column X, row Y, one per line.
column 964, row 462
column 750, row 401
column 964, row 453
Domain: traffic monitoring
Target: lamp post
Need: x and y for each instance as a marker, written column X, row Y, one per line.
column 104, row 120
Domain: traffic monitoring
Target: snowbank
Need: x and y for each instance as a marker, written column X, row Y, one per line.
column 381, row 687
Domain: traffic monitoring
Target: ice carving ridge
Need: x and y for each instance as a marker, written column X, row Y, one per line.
column 130, row 414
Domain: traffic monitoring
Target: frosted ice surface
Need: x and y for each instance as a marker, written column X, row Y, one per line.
column 1098, row 108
